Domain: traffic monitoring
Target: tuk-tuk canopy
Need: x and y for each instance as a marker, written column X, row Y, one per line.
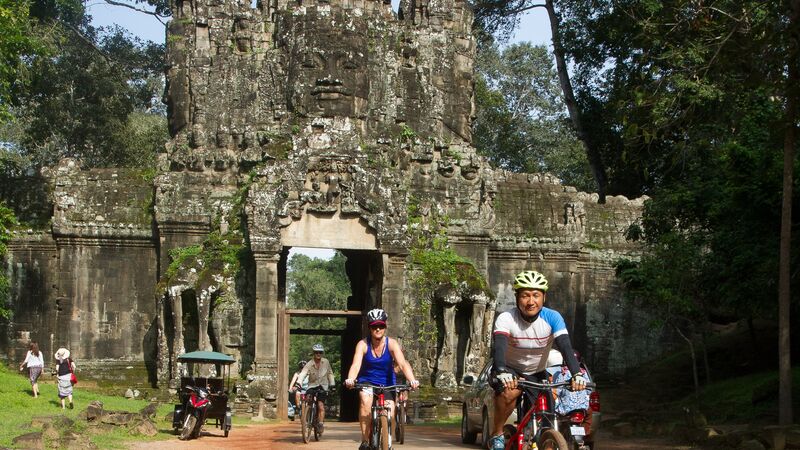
column 206, row 357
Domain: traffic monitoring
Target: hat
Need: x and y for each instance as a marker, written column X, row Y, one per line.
column 62, row 353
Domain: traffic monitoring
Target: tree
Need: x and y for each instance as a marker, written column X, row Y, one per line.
column 520, row 123
column 501, row 17
column 16, row 40
column 7, row 222
column 784, row 279
column 88, row 97
column 314, row 283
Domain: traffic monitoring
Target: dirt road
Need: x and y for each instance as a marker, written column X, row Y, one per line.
column 345, row 436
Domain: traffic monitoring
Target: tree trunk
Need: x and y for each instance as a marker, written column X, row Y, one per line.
column 694, row 362
column 706, row 365
column 592, row 152
column 784, row 278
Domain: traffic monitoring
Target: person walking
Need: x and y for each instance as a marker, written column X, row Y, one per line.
column 65, row 366
column 34, row 360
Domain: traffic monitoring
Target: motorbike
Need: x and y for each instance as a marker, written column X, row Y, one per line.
column 194, row 412
column 577, row 413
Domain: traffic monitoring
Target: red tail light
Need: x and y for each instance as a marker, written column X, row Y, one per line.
column 541, row 402
column 577, row 417
column 594, row 401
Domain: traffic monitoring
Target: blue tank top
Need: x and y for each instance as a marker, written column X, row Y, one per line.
column 377, row 370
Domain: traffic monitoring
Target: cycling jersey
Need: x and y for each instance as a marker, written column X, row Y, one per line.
column 529, row 343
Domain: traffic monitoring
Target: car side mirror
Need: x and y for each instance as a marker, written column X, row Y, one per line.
column 468, row 380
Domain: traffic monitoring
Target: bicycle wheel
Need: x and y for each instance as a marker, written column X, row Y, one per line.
column 306, row 419
column 315, row 425
column 384, row 424
column 552, row 440
column 188, row 427
column 400, row 420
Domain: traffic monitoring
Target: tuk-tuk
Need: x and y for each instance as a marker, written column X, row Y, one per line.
column 218, row 388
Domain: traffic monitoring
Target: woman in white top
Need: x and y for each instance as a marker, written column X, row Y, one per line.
column 35, row 362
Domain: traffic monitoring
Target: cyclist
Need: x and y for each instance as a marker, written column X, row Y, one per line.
column 373, row 362
column 297, row 380
column 320, row 379
column 521, row 342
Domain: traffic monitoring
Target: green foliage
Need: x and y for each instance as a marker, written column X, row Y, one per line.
column 16, row 41
column 218, row 255
column 7, row 223
column 314, row 283
column 84, row 92
column 521, row 124
column 407, row 134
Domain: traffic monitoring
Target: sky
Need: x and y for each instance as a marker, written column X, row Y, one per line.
column 534, row 27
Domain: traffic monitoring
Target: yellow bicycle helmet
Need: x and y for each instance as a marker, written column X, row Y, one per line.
column 530, row 279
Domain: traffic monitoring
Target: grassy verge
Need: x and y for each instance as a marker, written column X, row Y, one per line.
column 18, row 407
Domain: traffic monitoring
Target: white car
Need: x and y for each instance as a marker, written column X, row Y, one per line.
column 478, row 411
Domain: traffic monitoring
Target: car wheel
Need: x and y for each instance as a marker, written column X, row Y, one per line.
column 467, row 436
column 485, row 431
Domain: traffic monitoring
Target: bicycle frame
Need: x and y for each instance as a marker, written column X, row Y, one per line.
column 379, row 408
column 539, row 414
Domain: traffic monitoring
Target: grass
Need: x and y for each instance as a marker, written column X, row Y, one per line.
column 18, row 407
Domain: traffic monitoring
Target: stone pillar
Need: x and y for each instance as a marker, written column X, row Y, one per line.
column 266, row 312
column 394, row 270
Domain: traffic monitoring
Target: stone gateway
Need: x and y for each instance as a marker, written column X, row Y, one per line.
column 310, row 123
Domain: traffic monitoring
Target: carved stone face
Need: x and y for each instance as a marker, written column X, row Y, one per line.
column 327, row 67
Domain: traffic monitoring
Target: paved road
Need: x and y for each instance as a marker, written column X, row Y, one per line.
column 345, row 436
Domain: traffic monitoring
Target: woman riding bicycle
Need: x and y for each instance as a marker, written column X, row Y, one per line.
column 521, row 342
column 320, row 378
column 373, row 363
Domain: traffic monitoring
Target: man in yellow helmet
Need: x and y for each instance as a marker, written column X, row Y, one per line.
column 521, row 342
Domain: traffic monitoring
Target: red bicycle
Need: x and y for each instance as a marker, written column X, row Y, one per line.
column 381, row 433
column 538, row 428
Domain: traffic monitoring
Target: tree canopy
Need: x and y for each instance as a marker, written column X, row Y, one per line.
column 314, row 283
column 79, row 91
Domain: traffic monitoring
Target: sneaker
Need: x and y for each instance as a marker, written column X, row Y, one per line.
column 320, row 428
column 497, row 442
column 364, row 446
column 71, row 405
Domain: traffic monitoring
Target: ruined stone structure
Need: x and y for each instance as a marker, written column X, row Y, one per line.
column 311, row 123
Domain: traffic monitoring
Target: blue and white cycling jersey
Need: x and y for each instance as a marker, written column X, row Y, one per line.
column 529, row 343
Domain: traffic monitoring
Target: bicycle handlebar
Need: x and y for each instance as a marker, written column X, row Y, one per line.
column 399, row 387
column 534, row 384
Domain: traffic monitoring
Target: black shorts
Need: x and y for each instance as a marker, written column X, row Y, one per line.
column 499, row 387
column 322, row 394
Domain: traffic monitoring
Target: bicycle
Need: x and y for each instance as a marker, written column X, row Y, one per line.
column 401, row 416
column 538, row 426
column 381, row 433
column 309, row 419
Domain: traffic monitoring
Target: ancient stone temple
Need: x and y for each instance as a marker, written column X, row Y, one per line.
column 310, row 123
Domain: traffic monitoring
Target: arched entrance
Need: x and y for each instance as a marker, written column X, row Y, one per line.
column 364, row 268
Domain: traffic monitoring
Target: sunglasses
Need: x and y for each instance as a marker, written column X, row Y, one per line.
column 377, row 327
column 318, row 353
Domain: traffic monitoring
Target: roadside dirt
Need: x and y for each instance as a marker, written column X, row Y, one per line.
column 345, row 436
